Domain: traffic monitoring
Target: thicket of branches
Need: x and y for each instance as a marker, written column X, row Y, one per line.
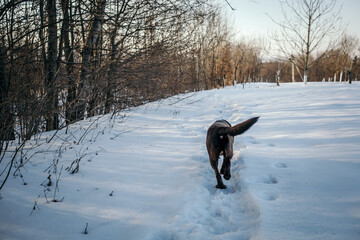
column 64, row 60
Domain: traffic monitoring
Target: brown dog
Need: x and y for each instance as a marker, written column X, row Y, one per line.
column 219, row 141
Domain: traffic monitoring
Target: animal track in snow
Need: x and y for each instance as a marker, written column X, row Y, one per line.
column 269, row 196
column 270, row 179
column 252, row 140
column 279, row 165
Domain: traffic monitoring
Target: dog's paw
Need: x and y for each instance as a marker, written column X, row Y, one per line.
column 223, row 186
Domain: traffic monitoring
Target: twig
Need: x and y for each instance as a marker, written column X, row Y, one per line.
column 87, row 130
column 76, row 168
column 46, row 191
column 230, row 5
column 3, row 149
column 22, row 178
column 86, row 231
column 57, row 185
column 182, row 99
column 48, row 141
column 126, row 131
column 35, row 206
column 11, row 164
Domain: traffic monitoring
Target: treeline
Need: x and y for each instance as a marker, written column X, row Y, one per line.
column 64, row 60
column 339, row 63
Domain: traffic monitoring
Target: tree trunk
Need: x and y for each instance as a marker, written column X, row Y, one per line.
column 69, row 59
column 109, row 90
column 350, row 77
column 353, row 63
column 52, row 118
column 6, row 117
column 91, row 42
column 341, row 75
column 307, row 54
column 306, row 76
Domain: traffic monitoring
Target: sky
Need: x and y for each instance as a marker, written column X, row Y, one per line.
column 250, row 17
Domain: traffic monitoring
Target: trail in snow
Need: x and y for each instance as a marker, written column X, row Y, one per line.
column 211, row 213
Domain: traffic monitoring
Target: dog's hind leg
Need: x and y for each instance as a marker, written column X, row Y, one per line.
column 226, row 165
column 226, row 168
column 220, row 183
column 222, row 170
column 228, row 154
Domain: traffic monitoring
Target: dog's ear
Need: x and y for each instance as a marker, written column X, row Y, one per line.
column 239, row 128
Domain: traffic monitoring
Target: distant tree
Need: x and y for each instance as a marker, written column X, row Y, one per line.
column 246, row 58
column 348, row 47
column 338, row 63
column 308, row 26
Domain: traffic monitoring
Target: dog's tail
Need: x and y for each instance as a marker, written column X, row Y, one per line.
column 239, row 128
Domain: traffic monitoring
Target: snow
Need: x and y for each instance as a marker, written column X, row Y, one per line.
column 295, row 173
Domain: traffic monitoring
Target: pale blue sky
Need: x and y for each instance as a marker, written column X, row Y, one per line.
column 250, row 19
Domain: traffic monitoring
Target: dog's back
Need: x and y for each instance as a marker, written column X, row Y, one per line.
column 220, row 131
column 214, row 141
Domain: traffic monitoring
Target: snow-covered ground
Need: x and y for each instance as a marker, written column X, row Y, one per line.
column 295, row 173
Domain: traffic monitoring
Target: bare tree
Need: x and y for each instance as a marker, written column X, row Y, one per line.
column 308, row 26
column 52, row 121
column 67, row 36
column 88, row 51
column 247, row 58
column 6, row 117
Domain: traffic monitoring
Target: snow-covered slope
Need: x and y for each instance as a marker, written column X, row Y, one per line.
column 295, row 173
